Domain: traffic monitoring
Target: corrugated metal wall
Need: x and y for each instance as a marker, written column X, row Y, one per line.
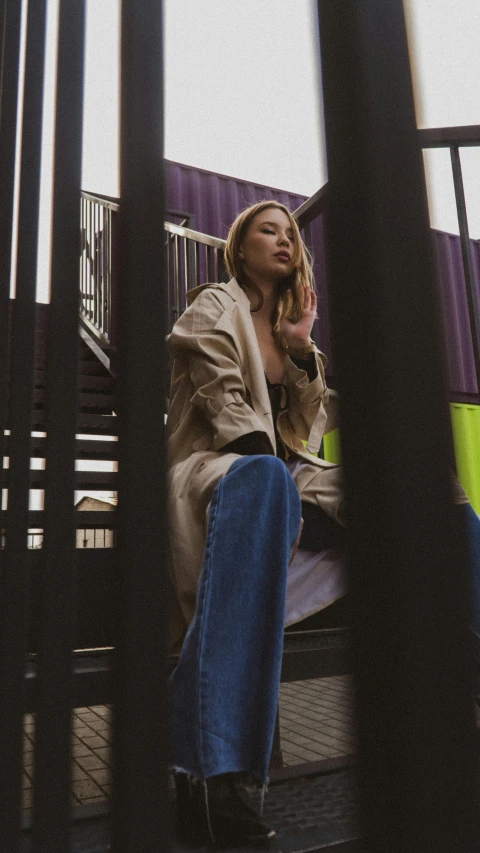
column 459, row 351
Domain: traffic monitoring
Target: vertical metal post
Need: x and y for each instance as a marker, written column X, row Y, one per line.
column 14, row 586
column 57, row 567
column 408, row 557
column 468, row 270
column 8, row 135
column 141, row 751
column 3, row 21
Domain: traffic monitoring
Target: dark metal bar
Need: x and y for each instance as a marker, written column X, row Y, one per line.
column 3, row 22
column 14, row 588
column 312, row 207
column 169, row 280
column 8, row 135
column 106, row 273
column 407, row 554
column 96, row 265
column 105, row 216
column 141, row 751
column 115, row 296
column 57, row 564
column 197, row 264
column 90, row 262
column 82, row 256
column 467, row 257
column 444, row 137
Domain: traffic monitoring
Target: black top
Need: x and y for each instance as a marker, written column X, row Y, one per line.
column 256, row 443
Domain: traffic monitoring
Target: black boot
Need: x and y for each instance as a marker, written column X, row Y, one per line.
column 216, row 812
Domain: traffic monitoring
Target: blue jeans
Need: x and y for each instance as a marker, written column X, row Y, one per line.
column 224, row 690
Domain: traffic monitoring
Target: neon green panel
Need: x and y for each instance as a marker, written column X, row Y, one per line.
column 331, row 446
column 466, row 437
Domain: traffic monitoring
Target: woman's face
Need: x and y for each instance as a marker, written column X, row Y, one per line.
column 267, row 248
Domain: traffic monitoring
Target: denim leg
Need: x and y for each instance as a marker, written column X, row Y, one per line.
column 224, row 690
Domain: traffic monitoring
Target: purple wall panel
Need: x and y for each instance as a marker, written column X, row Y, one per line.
column 458, row 340
column 215, row 200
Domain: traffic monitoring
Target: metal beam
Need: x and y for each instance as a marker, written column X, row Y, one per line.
column 8, row 136
column 407, row 549
column 141, row 750
column 57, row 564
column 444, row 137
column 14, row 592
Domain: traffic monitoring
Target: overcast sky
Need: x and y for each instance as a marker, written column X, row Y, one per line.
column 242, row 95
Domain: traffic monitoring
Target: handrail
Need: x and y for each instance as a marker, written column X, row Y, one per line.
column 444, row 137
column 189, row 234
column 312, row 207
column 106, row 201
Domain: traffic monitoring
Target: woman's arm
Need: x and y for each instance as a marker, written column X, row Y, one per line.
column 214, row 367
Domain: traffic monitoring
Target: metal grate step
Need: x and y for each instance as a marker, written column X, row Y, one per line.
column 315, row 813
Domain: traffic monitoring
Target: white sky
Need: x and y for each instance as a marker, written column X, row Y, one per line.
column 242, row 96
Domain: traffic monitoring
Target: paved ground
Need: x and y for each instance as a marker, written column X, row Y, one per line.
column 316, row 720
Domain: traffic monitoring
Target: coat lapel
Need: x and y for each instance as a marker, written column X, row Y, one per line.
column 253, row 373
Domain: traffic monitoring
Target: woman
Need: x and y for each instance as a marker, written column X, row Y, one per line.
column 249, row 407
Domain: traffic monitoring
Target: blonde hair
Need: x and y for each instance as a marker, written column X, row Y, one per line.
column 289, row 302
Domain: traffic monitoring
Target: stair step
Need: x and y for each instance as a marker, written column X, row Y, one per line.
column 98, row 450
column 100, row 481
column 83, row 518
column 94, row 423
column 104, row 481
column 86, row 400
column 86, row 381
column 317, row 813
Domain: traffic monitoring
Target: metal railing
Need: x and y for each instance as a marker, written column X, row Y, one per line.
column 96, row 228
column 192, row 258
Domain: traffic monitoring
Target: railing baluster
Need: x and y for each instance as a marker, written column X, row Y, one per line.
column 105, row 317
column 186, row 267
column 170, row 314
column 108, row 275
column 96, row 265
column 14, row 589
column 101, row 275
column 197, row 264
column 57, row 566
column 82, row 255
column 207, row 263
column 90, row 261
column 176, row 274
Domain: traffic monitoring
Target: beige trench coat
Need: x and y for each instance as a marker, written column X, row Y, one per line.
column 218, row 394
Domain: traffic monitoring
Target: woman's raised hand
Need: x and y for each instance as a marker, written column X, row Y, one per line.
column 297, row 335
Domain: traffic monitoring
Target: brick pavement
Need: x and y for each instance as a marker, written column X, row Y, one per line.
column 316, row 720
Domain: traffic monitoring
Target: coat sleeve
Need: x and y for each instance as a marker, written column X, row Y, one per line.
column 307, row 400
column 215, row 371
